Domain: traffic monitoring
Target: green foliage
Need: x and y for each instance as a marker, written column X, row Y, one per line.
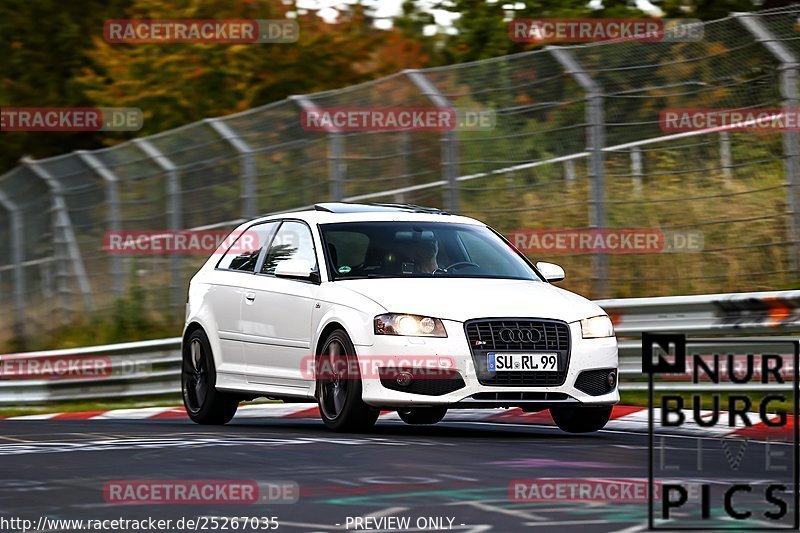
column 43, row 48
column 744, row 233
column 482, row 27
column 131, row 318
column 713, row 9
column 52, row 54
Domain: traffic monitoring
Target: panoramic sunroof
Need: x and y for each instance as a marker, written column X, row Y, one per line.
column 345, row 207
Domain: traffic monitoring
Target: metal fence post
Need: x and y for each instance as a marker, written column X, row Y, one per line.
column 61, row 258
column 336, row 169
column 18, row 257
column 725, row 160
column 46, row 276
column 450, row 170
column 405, row 170
column 336, row 165
column 789, row 66
column 247, row 166
column 112, row 204
column 569, row 172
column 636, row 169
column 595, row 145
column 63, row 230
column 174, row 211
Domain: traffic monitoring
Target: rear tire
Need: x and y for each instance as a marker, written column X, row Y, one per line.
column 581, row 419
column 422, row 415
column 203, row 402
column 339, row 387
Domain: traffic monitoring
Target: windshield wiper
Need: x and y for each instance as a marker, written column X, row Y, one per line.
column 362, row 276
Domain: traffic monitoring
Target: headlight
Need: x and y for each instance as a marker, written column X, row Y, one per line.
column 596, row 327
column 409, row 325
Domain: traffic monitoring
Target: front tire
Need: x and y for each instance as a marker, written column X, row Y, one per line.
column 422, row 415
column 581, row 419
column 339, row 387
column 203, row 402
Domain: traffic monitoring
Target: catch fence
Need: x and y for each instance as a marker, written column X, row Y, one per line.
column 578, row 143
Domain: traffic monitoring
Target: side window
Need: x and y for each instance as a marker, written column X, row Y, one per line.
column 347, row 248
column 293, row 241
column 243, row 254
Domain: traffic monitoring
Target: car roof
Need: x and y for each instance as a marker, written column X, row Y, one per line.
column 332, row 212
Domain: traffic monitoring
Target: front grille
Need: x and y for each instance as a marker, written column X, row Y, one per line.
column 594, row 382
column 428, row 382
column 488, row 336
column 521, row 396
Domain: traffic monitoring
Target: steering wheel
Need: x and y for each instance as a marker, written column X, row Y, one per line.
column 456, row 266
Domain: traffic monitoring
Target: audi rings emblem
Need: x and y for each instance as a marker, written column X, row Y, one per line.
column 519, row 335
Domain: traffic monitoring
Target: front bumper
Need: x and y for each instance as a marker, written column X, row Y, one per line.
column 586, row 354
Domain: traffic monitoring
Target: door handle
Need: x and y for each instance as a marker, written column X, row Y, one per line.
column 250, row 296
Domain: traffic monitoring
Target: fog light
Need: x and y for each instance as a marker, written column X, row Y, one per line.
column 404, row 379
column 611, row 380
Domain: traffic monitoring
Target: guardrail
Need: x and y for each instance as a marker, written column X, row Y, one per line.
column 152, row 367
column 145, row 368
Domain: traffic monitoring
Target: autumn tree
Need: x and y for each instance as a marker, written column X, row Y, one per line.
column 43, row 47
column 179, row 83
column 52, row 54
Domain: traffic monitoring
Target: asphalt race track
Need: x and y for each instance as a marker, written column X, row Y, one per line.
column 455, row 470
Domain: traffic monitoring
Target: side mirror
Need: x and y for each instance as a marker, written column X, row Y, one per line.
column 550, row 271
column 294, row 268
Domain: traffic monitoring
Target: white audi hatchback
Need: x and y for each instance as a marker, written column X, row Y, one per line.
column 364, row 308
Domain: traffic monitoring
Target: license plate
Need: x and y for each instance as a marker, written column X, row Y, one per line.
column 522, row 362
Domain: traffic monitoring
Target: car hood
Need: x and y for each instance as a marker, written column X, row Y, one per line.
column 463, row 299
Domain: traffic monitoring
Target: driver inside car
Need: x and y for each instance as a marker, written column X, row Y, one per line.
column 424, row 254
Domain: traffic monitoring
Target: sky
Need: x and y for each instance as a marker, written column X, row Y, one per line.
column 386, row 9
column 383, row 10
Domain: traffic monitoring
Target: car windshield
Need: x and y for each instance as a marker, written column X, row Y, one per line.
column 420, row 249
